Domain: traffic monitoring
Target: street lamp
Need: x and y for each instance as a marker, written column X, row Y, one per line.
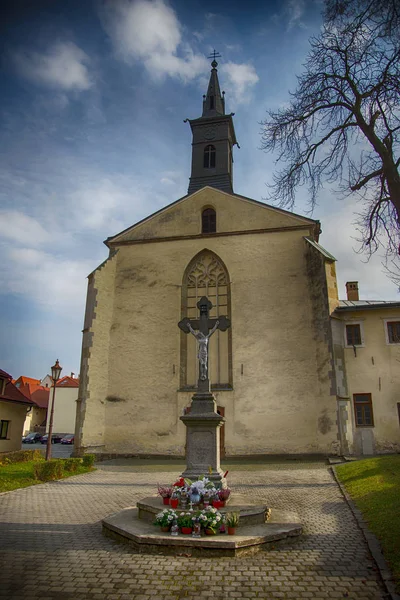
column 55, row 375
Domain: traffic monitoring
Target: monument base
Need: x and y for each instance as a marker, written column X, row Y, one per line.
column 202, row 446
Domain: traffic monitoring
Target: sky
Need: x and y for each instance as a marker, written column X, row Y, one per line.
column 92, row 140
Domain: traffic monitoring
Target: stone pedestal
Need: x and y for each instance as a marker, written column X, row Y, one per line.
column 202, row 447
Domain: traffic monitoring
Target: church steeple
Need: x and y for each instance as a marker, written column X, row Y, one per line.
column 213, row 140
column 213, row 103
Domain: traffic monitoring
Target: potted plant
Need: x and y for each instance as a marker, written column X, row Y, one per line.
column 165, row 493
column 223, row 495
column 210, row 519
column 185, row 522
column 165, row 518
column 232, row 521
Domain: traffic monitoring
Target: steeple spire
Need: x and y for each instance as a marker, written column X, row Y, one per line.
column 214, row 102
column 213, row 140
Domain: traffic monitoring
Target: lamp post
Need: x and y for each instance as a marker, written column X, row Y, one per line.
column 55, row 375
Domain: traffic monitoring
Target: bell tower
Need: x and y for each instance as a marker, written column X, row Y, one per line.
column 213, row 140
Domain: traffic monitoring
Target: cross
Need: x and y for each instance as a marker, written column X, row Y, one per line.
column 202, row 329
column 214, row 55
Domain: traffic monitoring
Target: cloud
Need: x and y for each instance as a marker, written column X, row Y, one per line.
column 241, row 77
column 52, row 282
column 149, row 30
column 63, row 66
column 23, row 229
column 294, row 11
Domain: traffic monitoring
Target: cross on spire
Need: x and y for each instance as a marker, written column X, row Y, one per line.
column 214, row 55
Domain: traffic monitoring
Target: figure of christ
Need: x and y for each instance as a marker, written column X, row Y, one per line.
column 202, row 354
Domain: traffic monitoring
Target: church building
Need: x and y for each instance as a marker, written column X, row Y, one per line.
column 294, row 374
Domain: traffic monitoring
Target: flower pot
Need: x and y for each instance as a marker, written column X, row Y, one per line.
column 166, row 500
column 217, row 503
column 165, row 528
column 209, row 532
column 186, row 530
column 174, row 502
column 231, row 530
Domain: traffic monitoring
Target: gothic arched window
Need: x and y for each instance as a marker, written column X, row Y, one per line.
column 208, row 221
column 209, row 157
column 206, row 275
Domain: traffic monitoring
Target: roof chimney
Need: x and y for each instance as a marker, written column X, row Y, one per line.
column 352, row 290
column 72, row 374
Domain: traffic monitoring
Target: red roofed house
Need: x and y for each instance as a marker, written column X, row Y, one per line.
column 36, row 418
column 13, row 408
column 66, row 395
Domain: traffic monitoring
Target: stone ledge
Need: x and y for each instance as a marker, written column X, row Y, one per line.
column 249, row 514
column 144, row 537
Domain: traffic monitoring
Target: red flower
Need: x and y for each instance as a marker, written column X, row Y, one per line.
column 179, row 483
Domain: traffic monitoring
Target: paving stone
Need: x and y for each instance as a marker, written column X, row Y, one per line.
column 52, row 544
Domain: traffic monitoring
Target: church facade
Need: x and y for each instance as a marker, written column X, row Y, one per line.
column 278, row 373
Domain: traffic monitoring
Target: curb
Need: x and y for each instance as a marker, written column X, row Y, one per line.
column 372, row 542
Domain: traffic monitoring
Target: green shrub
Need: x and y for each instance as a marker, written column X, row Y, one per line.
column 88, row 460
column 7, row 458
column 71, row 464
column 49, row 470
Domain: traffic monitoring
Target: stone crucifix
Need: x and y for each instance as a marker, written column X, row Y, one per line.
column 202, row 329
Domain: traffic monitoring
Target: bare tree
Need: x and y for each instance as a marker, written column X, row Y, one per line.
column 343, row 121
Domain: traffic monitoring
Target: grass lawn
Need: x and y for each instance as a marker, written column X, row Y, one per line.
column 374, row 486
column 20, row 475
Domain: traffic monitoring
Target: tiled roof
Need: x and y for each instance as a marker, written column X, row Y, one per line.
column 40, row 397
column 23, row 380
column 12, row 394
column 366, row 304
column 67, row 381
column 38, row 393
column 4, row 374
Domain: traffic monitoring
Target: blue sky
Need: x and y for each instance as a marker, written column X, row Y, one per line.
column 92, row 139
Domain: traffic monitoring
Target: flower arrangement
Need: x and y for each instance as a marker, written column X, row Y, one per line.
column 165, row 518
column 186, row 519
column 210, row 518
column 164, row 491
column 224, row 494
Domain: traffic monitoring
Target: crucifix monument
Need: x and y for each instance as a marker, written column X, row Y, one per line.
column 203, row 421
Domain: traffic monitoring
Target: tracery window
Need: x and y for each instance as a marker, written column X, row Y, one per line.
column 206, row 275
column 209, row 157
column 208, row 221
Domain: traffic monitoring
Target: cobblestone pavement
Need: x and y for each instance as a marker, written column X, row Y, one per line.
column 52, row 546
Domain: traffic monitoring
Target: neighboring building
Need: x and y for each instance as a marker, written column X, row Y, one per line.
column 278, row 374
column 13, row 409
column 36, row 418
column 367, row 334
column 66, row 396
column 22, row 380
column 47, row 381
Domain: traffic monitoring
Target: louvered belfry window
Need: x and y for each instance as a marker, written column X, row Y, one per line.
column 209, row 157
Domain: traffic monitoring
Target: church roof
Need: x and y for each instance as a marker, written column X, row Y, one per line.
column 301, row 220
column 347, row 305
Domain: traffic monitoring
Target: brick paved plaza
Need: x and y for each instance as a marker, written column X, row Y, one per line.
column 52, row 546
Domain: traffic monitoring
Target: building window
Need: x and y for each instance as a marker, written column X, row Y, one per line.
column 363, row 410
column 393, row 332
column 4, row 425
column 353, row 334
column 206, row 275
column 209, row 157
column 208, row 221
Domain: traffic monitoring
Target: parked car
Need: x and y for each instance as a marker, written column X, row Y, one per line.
column 68, row 439
column 32, row 438
column 55, row 438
